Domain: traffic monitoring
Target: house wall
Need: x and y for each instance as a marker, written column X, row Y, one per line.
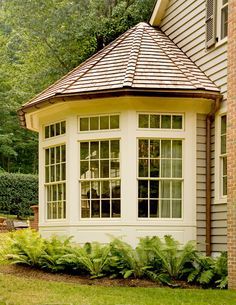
column 184, row 23
column 128, row 225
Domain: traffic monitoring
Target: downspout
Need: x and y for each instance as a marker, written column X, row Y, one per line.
column 209, row 119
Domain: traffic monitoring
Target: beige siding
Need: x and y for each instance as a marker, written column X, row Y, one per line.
column 184, row 23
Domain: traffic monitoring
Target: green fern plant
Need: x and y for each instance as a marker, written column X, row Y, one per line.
column 25, row 247
column 55, row 248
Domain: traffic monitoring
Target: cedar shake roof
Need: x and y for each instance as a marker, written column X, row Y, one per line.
column 142, row 59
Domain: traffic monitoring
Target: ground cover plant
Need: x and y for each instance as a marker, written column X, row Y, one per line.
column 161, row 260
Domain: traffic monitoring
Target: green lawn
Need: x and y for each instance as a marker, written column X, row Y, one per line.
column 19, row 291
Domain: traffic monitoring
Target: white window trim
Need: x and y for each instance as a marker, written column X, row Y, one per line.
column 219, row 198
column 219, row 7
column 160, row 179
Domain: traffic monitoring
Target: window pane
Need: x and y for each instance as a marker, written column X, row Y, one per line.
column 46, row 156
column 94, row 150
column 224, row 186
column 154, row 209
column 46, row 132
column 143, row 120
column 177, row 189
column 143, row 189
column 94, row 123
column 166, row 168
column 143, row 168
column 63, row 171
column 166, row 121
column 165, row 189
column 47, row 174
column 224, row 22
column 95, row 208
column 115, row 168
column 104, row 122
column 58, row 129
column 105, row 189
column 154, row 148
column 85, row 190
column 223, row 144
column 52, row 155
column 223, row 124
column 63, row 153
column 52, row 130
column 143, row 208
column 224, row 166
column 104, row 169
column 154, row 121
column 63, row 127
column 115, row 189
column 58, row 154
column 165, row 148
column 177, row 168
column 94, row 169
column 115, row 208
column 115, row 149
column 58, row 171
column 84, row 151
column 52, row 171
column 95, row 189
column 177, row 121
column 154, row 189
column 84, row 124
column 105, row 208
column 143, row 148
column 104, row 149
column 84, row 170
column 114, row 121
column 176, row 208
column 176, row 149
column 154, row 168
column 165, row 208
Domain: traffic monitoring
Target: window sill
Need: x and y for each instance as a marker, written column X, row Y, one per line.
column 221, row 201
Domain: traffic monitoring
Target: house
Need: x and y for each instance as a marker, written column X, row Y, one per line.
column 133, row 141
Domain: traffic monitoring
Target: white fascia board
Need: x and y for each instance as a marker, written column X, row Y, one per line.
column 158, row 12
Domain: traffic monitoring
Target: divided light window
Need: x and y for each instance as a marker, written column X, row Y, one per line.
column 55, row 181
column 160, row 180
column 223, row 156
column 224, row 18
column 160, row 121
column 55, row 129
column 100, row 179
column 99, row 122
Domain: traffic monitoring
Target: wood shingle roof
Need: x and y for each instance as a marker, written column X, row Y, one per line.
column 142, row 58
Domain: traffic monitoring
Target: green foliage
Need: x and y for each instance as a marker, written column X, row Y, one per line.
column 40, row 41
column 163, row 261
column 17, row 193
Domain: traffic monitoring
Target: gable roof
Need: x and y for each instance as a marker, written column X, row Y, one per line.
column 143, row 58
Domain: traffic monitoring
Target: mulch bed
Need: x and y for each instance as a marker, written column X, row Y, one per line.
column 32, row 273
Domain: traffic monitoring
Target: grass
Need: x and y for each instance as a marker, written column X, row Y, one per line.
column 15, row 290
column 18, row 291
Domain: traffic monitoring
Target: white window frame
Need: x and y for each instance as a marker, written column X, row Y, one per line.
column 149, row 178
column 219, row 197
column 89, row 116
column 219, row 7
column 222, row 157
column 48, row 184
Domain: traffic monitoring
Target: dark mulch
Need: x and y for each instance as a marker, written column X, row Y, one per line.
column 32, row 273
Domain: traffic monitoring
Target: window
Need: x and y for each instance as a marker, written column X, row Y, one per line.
column 160, row 179
column 55, row 181
column 100, row 122
column 100, row 179
column 216, row 21
column 55, row 129
column 160, row 121
column 223, row 156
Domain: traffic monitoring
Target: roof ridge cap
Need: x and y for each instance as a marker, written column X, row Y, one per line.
column 133, row 57
column 193, row 79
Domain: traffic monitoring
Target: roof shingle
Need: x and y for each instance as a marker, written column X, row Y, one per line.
column 141, row 58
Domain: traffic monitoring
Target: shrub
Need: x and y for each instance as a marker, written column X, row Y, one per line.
column 17, row 193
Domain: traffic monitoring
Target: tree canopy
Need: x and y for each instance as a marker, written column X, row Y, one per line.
column 40, row 41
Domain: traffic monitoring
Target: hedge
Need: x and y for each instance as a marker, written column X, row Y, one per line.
column 17, row 193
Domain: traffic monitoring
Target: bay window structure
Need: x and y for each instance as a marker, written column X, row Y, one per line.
column 160, row 178
column 100, row 178
column 55, row 181
column 223, row 157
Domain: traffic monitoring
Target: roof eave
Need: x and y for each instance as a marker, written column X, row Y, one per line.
column 158, row 12
column 206, row 94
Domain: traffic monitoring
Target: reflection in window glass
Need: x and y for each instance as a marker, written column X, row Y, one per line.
column 160, row 178
column 100, row 179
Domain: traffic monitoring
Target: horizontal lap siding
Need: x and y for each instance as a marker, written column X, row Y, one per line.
column 184, row 23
